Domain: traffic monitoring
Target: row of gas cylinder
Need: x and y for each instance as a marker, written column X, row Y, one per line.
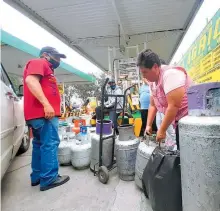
column 82, row 151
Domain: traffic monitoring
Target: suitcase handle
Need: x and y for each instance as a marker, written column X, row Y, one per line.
column 159, row 144
column 146, row 139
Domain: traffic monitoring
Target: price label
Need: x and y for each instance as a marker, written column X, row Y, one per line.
column 135, row 99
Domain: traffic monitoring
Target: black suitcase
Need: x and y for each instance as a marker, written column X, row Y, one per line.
column 162, row 181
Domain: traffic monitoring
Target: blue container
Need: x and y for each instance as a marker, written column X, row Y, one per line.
column 83, row 130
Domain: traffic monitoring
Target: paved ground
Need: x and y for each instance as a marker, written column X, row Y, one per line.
column 82, row 193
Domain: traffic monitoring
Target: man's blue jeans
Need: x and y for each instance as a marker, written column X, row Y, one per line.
column 44, row 155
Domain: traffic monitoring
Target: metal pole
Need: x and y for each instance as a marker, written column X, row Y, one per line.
column 127, row 52
column 64, row 103
column 145, row 45
column 109, row 60
column 137, row 49
column 138, row 74
column 137, row 69
column 114, row 66
column 101, row 121
column 119, row 19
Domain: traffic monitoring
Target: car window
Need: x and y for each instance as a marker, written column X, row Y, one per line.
column 5, row 78
column 16, row 81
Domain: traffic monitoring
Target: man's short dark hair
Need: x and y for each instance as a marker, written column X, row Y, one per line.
column 147, row 59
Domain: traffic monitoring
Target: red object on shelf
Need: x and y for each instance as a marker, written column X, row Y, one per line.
column 77, row 124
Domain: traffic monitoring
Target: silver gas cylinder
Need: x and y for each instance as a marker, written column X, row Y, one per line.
column 199, row 134
column 68, row 136
column 64, row 153
column 81, row 154
column 91, row 132
column 61, row 132
column 145, row 149
column 106, row 152
column 126, row 152
column 107, row 146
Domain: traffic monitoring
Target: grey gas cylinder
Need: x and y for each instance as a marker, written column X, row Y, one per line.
column 126, row 152
column 64, row 153
column 200, row 149
column 106, row 152
column 144, row 152
column 107, row 146
column 81, row 154
column 126, row 132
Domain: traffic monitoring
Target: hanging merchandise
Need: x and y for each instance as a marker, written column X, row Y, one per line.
column 199, row 134
column 126, row 152
column 127, row 68
column 145, row 149
column 93, row 102
column 61, row 88
column 161, row 180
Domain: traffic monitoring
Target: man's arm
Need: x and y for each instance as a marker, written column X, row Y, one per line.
column 35, row 88
column 152, row 111
column 174, row 100
column 111, row 101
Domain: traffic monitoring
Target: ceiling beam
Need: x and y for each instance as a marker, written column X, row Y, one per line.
column 125, row 36
column 105, row 41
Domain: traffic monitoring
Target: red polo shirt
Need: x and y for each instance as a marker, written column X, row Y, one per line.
column 33, row 109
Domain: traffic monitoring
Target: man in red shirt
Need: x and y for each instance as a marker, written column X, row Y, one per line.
column 41, row 110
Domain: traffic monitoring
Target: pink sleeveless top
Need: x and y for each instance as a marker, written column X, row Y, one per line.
column 159, row 95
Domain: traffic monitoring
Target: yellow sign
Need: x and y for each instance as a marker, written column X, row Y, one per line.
column 208, row 68
column 202, row 60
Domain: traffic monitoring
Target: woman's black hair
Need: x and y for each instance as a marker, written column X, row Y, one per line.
column 147, row 59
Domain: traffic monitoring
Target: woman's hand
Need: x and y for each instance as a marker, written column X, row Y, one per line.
column 148, row 131
column 161, row 135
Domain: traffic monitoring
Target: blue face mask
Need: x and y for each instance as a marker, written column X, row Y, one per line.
column 54, row 63
column 113, row 87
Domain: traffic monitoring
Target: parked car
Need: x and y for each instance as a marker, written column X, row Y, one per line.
column 14, row 132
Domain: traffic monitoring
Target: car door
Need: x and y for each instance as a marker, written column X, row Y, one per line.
column 7, row 122
column 19, row 123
